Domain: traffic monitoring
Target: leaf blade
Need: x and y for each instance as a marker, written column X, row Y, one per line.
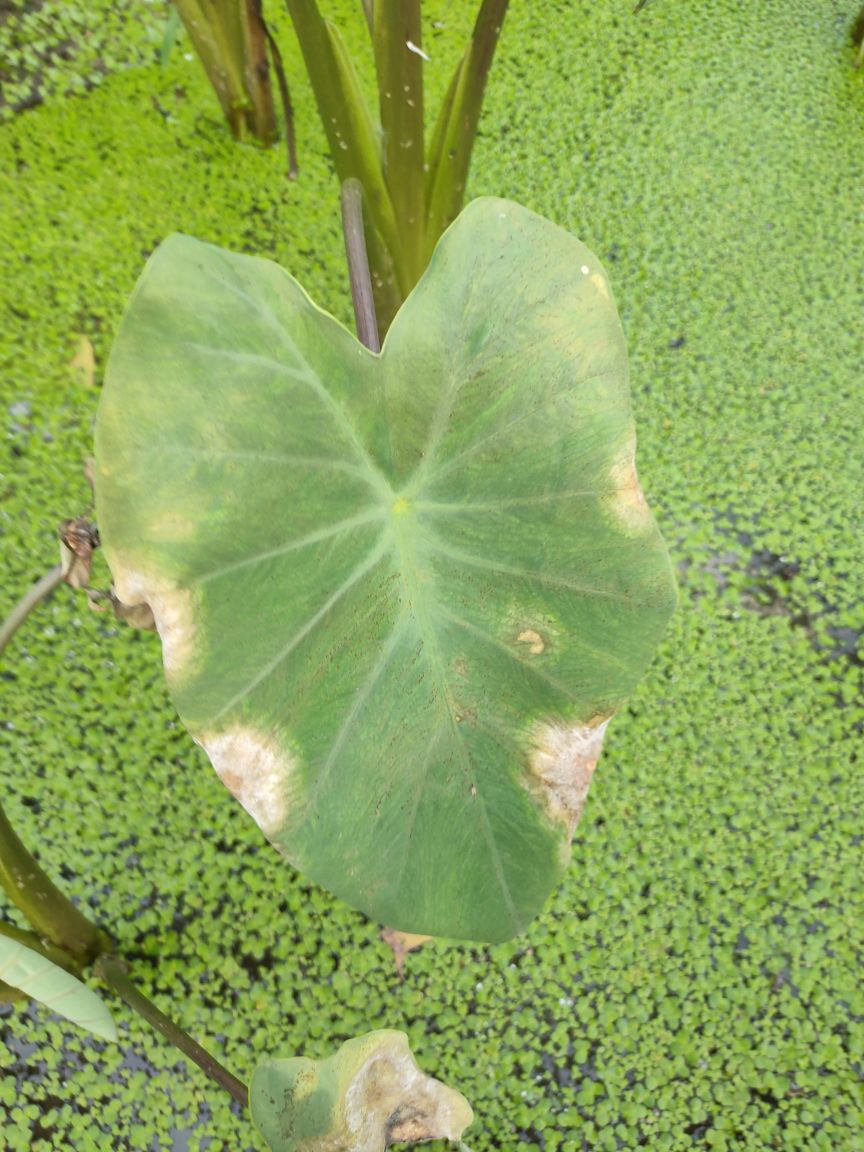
column 365, row 1097
column 42, row 980
column 409, row 687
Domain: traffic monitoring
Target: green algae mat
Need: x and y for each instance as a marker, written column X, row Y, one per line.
column 695, row 982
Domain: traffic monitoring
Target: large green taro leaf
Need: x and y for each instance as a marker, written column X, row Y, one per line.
column 399, row 595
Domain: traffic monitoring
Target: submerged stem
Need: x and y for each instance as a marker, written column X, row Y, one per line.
column 31, row 598
column 51, row 914
column 358, row 265
column 113, row 972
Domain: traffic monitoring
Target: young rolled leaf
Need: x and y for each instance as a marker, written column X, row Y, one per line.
column 370, row 1095
column 57, row 989
column 399, row 595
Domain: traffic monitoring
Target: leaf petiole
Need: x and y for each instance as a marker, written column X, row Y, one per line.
column 358, row 265
column 113, row 971
column 50, row 913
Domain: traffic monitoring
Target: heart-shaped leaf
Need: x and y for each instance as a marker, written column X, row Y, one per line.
column 57, row 989
column 370, row 1095
column 399, row 595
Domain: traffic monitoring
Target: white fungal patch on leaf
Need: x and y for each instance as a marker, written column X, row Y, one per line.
column 255, row 771
column 627, row 501
column 562, row 763
column 173, row 611
column 390, row 1097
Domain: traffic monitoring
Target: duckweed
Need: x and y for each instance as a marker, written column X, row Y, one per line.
column 696, row 982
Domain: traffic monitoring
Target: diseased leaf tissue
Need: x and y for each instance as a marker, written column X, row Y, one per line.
column 399, row 595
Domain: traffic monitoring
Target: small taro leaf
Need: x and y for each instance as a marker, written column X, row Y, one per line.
column 370, row 1095
column 399, row 595
column 57, row 989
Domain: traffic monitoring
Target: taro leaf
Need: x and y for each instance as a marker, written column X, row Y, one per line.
column 370, row 1095
column 57, row 989
column 399, row 595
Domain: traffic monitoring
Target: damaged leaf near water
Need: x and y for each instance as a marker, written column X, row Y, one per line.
column 399, row 595
column 370, row 1095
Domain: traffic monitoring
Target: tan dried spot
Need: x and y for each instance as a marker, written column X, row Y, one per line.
column 390, row 1097
column 627, row 502
column 401, row 943
column 533, row 639
column 255, row 771
column 562, row 765
column 173, row 611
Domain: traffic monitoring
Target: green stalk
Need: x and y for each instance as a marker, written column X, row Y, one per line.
column 858, row 39
column 456, row 130
column 397, row 38
column 261, row 116
column 35, row 943
column 113, row 972
column 33, row 596
column 385, row 285
column 347, row 122
column 51, row 914
column 229, row 39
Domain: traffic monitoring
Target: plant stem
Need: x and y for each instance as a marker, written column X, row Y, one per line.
column 8, row 994
column 230, row 41
column 287, row 106
column 347, row 122
column 50, row 913
column 35, row 595
column 397, row 38
column 456, row 129
column 35, row 943
column 358, row 265
column 113, row 972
